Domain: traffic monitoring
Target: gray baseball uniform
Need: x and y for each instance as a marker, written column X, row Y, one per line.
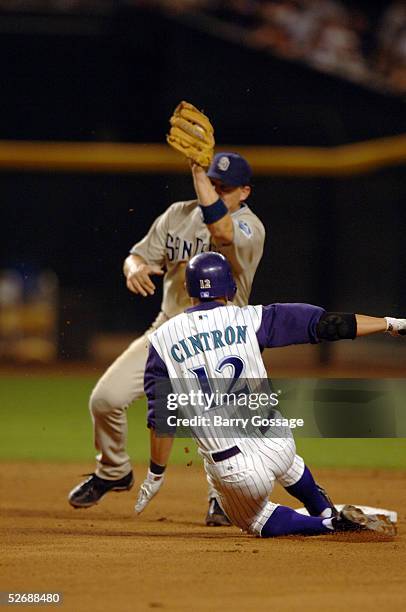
column 174, row 237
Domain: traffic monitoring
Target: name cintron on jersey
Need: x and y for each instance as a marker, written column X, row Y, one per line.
column 207, row 341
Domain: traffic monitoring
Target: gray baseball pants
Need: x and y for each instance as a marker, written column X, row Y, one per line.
column 119, row 386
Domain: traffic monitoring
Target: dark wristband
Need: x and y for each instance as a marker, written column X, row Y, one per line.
column 156, row 469
column 214, row 212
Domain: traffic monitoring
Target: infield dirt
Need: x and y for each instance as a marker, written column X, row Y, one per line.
column 104, row 558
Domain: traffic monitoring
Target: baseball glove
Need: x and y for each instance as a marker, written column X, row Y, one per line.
column 191, row 133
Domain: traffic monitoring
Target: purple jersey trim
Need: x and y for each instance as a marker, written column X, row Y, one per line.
column 284, row 324
column 155, row 370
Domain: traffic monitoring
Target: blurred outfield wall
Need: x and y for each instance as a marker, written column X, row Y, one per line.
column 335, row 241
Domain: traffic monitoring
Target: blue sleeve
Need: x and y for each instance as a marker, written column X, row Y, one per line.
column 284, row 324
column 155, row 372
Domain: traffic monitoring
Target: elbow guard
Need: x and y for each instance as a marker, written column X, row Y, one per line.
column 337, row 326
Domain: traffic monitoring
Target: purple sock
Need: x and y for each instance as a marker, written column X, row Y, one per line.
column 307, row 492
column 285, row 521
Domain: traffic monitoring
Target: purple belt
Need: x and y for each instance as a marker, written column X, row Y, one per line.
column 225, row 454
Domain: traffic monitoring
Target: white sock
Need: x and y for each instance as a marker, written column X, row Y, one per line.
column 327, row 513
column 328, row 523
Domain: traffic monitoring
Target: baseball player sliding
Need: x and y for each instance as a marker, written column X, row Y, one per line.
column 214, row 339
column 219, row 219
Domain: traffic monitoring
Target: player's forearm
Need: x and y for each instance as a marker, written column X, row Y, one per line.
column 205, row 192
column 160, row 451
column 160, row 448
column 219, row 222
column 221, row 229
column 369, row 325
column 346, row 326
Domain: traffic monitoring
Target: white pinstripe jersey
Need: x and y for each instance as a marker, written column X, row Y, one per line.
column 217, row 344
column 211, row 341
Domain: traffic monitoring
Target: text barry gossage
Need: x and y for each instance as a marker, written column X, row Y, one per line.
column 209, row 401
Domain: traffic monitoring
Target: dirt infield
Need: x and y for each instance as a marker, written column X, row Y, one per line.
column 105, row 559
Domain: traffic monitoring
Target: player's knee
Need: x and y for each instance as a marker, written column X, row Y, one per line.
column 294, row 473
column 103, row 401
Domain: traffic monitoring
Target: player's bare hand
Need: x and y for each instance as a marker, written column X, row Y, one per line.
column 148, row 490
column 139, row 281
column 196, row 168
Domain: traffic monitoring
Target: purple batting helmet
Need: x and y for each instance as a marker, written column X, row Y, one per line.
column 208, row 275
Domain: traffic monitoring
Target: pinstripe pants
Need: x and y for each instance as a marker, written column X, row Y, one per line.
column 244, row 482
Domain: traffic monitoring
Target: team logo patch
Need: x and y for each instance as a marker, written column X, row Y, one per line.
column 244, row 227
column 223, row 163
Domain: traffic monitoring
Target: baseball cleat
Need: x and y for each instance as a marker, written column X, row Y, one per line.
column 215, row 516
column 352, row 518
column 90, row 491
column 323, row 492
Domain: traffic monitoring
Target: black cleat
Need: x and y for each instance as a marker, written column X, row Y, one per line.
column 90, row 491
column 352, row 518
column 323, row 492
column 215, row 515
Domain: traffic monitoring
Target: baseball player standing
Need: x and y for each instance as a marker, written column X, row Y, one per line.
column 219, row 219
column 215, row 341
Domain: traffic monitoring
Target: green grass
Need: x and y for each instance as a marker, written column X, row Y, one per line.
column 353, row 452
column 46, row 418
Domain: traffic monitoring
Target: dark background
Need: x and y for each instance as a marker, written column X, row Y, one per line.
column 335, row 242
